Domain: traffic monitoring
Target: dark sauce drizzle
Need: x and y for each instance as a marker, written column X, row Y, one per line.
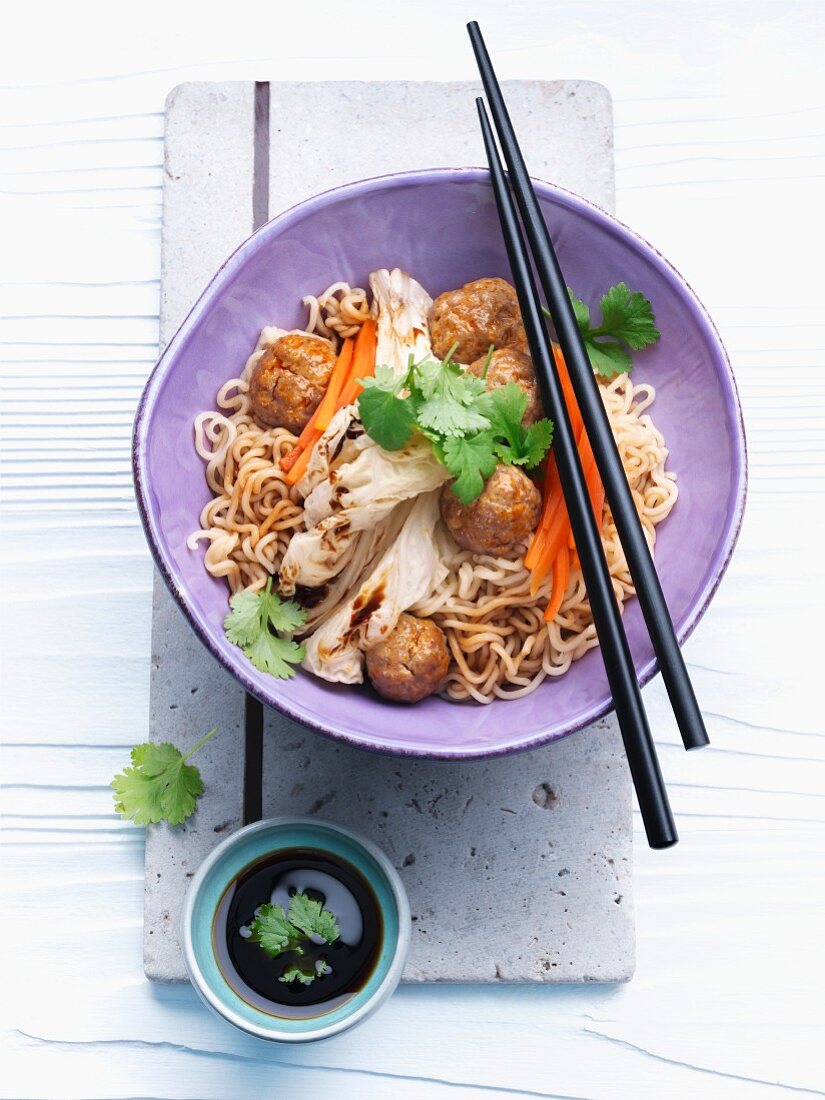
column 253, row 974
column 309, row 597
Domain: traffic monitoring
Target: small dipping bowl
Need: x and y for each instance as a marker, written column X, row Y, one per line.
column 266, row 838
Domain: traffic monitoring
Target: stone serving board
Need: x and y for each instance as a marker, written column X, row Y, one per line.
column 518, row 868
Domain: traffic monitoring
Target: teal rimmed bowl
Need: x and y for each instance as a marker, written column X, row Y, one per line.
column 252, row 843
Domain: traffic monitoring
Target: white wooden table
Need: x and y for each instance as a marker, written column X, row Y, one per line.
column 720, row 145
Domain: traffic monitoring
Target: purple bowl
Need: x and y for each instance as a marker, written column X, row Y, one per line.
column 441, row 226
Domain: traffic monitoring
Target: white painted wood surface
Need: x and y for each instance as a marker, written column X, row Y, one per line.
column 720, row 119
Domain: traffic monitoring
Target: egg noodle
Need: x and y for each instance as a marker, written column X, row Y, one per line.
column 499, row 643
column 339, row 311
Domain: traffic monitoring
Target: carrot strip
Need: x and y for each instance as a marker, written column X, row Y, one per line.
column 329, row 403
column 552, row 532
column 553, row 546
column 336, row 382
column 291, row 457
column 551, row 498
column 595, row 488
column 556, row 542
column 553, row 526
column 598, row 505
column 561, row 575
column 576, row 422
column 363, row 363
column 299, row 467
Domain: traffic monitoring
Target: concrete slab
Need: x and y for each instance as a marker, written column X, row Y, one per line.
column 538, row 845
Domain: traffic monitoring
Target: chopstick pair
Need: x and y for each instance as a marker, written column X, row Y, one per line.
column 641, row 754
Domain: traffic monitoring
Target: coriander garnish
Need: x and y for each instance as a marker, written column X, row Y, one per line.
column 279, row 932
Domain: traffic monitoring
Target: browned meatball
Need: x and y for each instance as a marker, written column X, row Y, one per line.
column 512, row 365
column 289, row 380
column 476, row 315
column 411, row 662
column 498, row 520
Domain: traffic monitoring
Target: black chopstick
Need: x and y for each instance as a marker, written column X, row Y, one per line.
column 641, row 754
column 639, row 560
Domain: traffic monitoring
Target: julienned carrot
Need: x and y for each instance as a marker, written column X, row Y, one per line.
column 329, row 403
column 595, row 489
column 551, row 536
column 362, row 364
column 555, row 543
column 576, row 422
column 551, row 497
column 552, row 522
column 561, row 575
column 553, row 540
column 336, row 381
column 299, row 466
column 542, row 549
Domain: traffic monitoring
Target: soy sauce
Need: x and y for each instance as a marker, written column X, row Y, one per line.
column 254, row 975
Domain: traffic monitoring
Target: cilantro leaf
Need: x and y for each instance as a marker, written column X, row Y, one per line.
column 279, row 932
column 448, row 394
column 159, row 785
column 468, row 427
column 426, row 375
column 608, row 358
column 627, row 322
column 515, row 444
column 312, row 919
column 627, row 316
column 471, row 460
column 275, row 655
column 293, row 972
column 243, row 624
column 538, row 439
column 304, row 975
column 250, row 623
column 581, row 310
column 285, row 616
column 387, row 417
column 273, row 931
column 507, row 405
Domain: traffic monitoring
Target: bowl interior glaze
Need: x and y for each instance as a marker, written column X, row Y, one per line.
column 441, row 226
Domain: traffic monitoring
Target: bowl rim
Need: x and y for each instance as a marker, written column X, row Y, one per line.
column 236, row 259
column 273, row 1033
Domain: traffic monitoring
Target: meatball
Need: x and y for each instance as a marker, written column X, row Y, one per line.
column 478, row 314
column 498, row 520
column 411, row 662
column 512, row 365
column 289, row 380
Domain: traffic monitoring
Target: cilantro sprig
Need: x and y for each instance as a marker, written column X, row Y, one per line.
column 470, row 428
column 390, row 416
column 627, row 325
column 279, row 932
column 159, row 785
column 251, row 623
column 515, row 444
column 304, row 974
